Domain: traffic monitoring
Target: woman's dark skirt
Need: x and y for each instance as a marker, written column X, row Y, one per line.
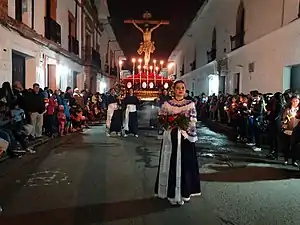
column 190, row 180
column 116, row 121
column 133, row 123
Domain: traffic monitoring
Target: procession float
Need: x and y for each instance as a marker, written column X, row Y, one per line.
column 147, row 79
column 147, row 83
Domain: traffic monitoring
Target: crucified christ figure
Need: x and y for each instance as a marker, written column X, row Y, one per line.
column 147, row 46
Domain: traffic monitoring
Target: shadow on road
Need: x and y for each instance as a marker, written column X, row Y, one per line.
column 90, row 214
column 249, row 174
column 145, row 156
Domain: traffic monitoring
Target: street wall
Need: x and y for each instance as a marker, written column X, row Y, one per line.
column 262, row 18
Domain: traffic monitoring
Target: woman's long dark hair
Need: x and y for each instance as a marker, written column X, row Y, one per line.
column 7, row 92
column 178, row 82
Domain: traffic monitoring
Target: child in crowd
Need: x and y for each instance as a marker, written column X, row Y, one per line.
column 62, row 120
column 19, row 129
column 78, row 120
column 20, row 122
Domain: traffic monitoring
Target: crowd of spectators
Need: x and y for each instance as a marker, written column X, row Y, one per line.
column 269, row 120
column 27, row 115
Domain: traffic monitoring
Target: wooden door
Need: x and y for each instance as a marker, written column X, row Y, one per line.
column 18, row 68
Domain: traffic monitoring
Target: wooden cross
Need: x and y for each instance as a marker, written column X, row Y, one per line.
column 152, row 22
column 147, row 46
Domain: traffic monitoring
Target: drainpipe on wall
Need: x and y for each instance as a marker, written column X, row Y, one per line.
column 83, row 39
column 282, row 13
column 76, row 12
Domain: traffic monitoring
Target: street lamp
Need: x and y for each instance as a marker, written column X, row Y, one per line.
column 114, row 56
column 170, row 65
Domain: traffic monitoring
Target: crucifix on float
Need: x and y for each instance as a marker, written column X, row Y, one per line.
column 147, row 46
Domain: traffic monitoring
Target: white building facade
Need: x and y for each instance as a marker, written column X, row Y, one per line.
column 45, row 42
column 241, row 45
column 99, row 37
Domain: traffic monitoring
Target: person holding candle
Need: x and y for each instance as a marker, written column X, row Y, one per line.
column 243, row 119
column 234, row 115
column 289, row 122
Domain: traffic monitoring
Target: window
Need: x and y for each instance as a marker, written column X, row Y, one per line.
column 21, row 11
column 72, row 24
column 214, row 40
column 240, row 23
column 238, row 41
column 51, row 6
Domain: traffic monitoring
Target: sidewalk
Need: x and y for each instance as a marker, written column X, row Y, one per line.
column 32, row 144
column 43, row 140
column 227, row 130
column 219, row 127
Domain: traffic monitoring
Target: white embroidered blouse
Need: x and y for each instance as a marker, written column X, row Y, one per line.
column 186, row 107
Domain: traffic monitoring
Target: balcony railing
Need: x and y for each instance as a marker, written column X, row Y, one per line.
column 237, row 41
column 52, row 30
column 96, row 59
column 211, row 55
column 73, row 45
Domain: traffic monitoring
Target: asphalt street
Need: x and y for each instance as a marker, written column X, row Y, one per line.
column 91, row 179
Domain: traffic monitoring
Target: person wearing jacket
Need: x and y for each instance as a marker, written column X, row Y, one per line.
column 289, row 123
column 256, row 118
column 274, row 113
column 36, row 109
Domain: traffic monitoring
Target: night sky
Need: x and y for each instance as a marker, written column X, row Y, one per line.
column 179, row 13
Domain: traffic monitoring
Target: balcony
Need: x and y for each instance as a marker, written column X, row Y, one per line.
column 73, row 45
column 52, row 30
column 211, row 55
column 96, row 59
column 237, row 41
column 88, row 55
